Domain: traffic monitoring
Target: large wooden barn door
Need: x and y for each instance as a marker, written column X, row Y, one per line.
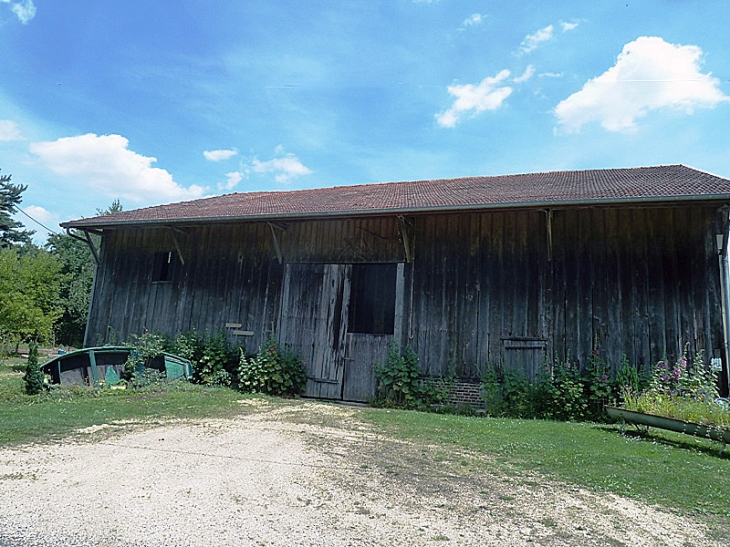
column 314, row 322
column 376, row 292
column 341, row 320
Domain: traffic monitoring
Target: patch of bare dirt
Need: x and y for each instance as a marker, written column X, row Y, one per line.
column 305, row 475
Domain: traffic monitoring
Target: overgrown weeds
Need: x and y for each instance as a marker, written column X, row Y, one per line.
column 273, row 371
column 563, row 390
column 399, row 383
column 682, row 390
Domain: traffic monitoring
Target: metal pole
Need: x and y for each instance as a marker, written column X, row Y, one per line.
column 722, row 243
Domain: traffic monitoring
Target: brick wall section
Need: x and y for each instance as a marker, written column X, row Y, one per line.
column 464, row 392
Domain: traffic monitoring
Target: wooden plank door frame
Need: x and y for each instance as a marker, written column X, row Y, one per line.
column 364, row 350
column 331, row 362
column 317, row 326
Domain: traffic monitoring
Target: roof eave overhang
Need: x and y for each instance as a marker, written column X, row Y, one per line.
column 443, row 209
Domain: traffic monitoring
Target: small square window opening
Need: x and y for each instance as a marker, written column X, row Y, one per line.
column 163, row 266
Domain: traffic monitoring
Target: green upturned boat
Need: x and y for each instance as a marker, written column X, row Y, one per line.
column 105, row 365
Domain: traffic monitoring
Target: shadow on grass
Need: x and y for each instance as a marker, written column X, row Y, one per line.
column 699, row 445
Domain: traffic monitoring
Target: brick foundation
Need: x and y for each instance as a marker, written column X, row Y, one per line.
column 464, row 392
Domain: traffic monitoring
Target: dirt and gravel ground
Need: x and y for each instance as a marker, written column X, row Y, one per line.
column 298, row 475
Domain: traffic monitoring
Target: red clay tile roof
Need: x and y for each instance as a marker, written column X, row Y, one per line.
column 675, row 183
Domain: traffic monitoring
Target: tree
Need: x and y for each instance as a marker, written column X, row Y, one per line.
column 115, row 207
column 33, row 377
column 77, row 267
column 29, row 289
column 10, row 230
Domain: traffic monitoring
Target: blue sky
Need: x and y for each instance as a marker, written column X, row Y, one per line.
column 156, row 102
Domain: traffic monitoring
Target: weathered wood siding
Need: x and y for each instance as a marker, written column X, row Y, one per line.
column 227, row 275
column 502, row 287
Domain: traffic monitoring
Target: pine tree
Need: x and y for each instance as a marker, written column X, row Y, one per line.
column 11, row 232
column 33, row 374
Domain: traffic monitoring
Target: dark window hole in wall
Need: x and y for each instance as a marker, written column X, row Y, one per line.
column 162, row 267
column 372, row 299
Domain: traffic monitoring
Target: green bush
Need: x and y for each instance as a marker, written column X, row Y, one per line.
column 399, row 383
column 510, row 393
column 218, row 361
column 272, row 371
column 562, row 391
column 33, row 377
column 146, row 346
column 627, row 378
column 215, row 359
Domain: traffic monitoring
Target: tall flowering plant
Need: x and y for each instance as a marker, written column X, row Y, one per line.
column 667, row 377
column 695, row 381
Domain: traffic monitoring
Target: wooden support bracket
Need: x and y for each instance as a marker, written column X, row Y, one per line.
column 403, row 225
column 86, row 239
column 177, row 247
column 549, row 215
column 277, row 249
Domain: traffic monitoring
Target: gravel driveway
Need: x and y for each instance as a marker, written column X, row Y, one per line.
column 304, row 474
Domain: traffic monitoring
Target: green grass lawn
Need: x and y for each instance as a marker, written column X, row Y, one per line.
column 58, row 414
column 682, row 473
column 678, row 472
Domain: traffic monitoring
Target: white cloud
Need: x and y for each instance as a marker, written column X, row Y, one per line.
column 285, row 168
column 649, row 74
column 533, row 41
column 529, row 73
column 43, row 219
column 24, row 10
column 487, row 95
column 105, row 164
column 39, row 220
column 9, row 131
column 568, row 26
column 232, row 180
column 473, row 20
column 219, row 155
column 40, row 214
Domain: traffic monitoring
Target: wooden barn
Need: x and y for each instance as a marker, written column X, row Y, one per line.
column 507, row 270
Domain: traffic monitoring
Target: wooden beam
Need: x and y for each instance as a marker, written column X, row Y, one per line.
column 549, row 215
column 405, row 238
column 177, row 247
column 277, row 249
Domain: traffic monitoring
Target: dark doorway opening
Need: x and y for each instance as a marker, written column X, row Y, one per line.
column 372, row 299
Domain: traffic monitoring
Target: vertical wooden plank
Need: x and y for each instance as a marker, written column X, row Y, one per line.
column 625, row 251
column 573, row 316
column 544, row 272
column 398, row 322
column 483, row 288
column 584, row 288
column 498, row 294
column 614, row 296
column 668, row 242
column 596, row 251
column 558, row 299
column 470, row 286
column 423, row 290
column 656, row 221
column 640, row 288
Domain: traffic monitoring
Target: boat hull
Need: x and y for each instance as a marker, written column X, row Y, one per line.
column 105, row 365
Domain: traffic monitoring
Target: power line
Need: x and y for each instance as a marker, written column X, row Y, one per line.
column 39, row 223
